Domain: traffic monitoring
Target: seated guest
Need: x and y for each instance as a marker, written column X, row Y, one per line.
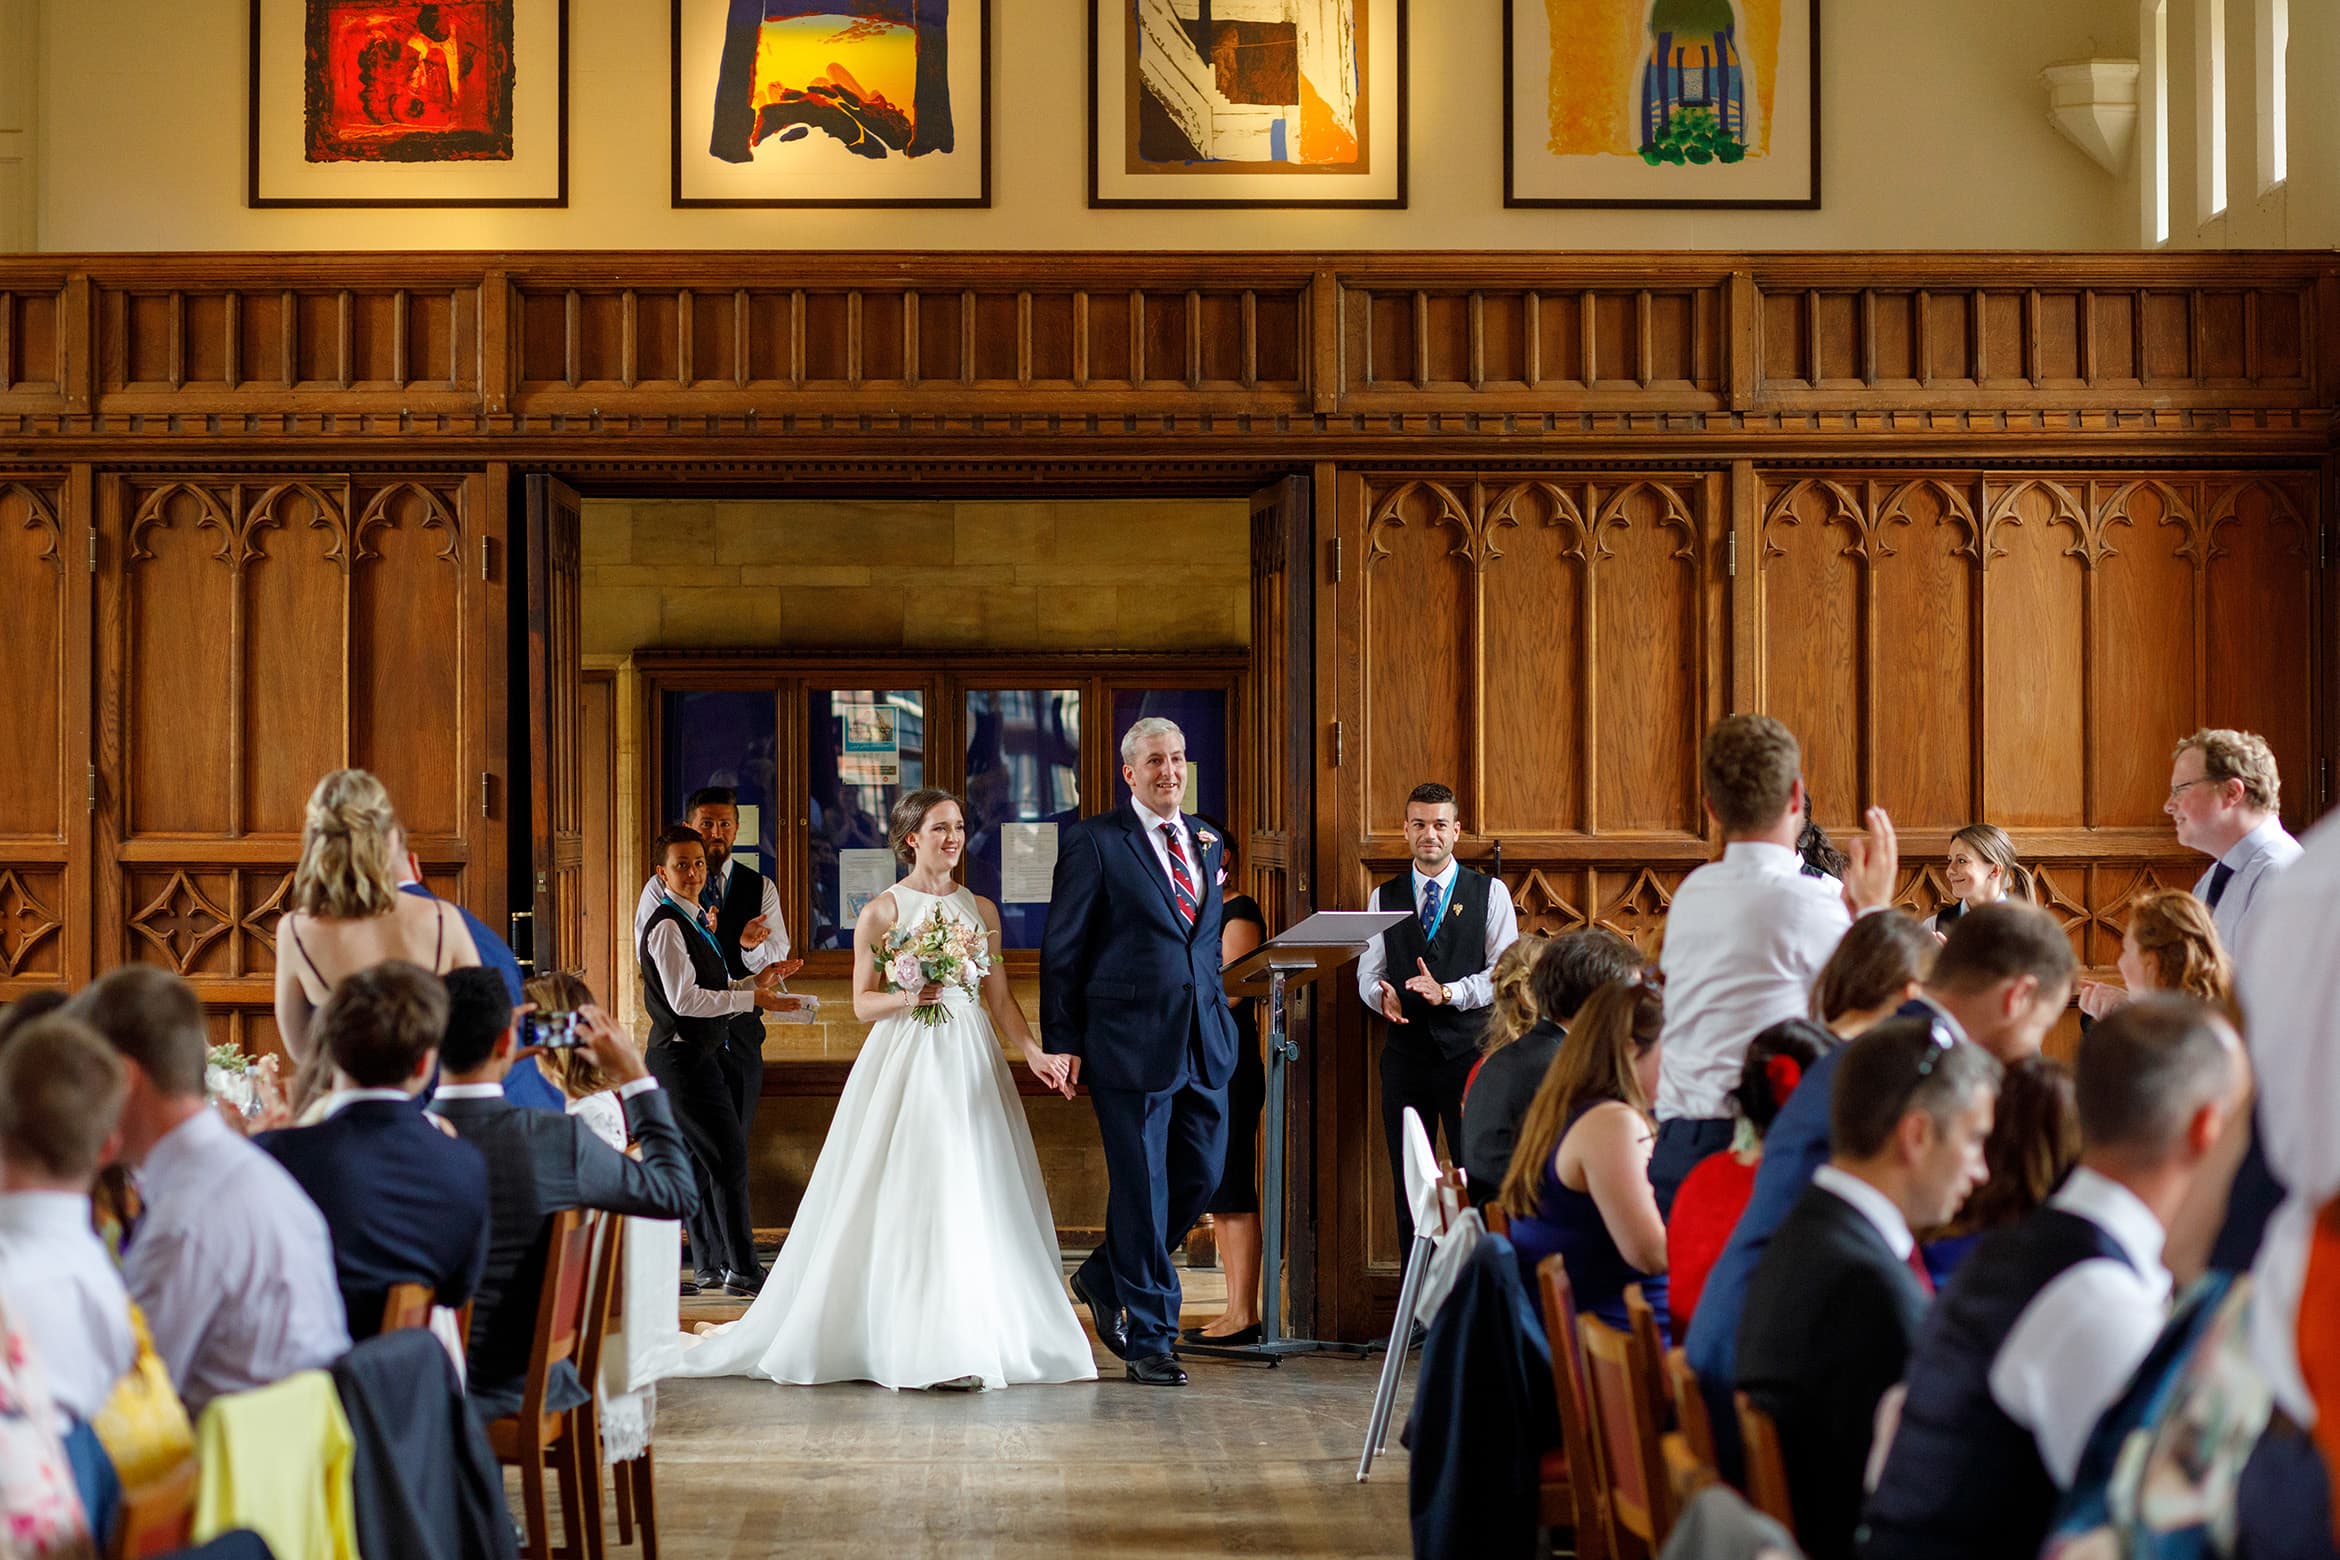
column 1561, row 973
column 406, row 1203
column 1833, row 1308
column 230, row 1261
column 2043, row 1328
column 2001, row 979
column 61, row 1093
column 1746, row 934
column 1715, row 1194
column 540, row 1163
column 1982, row 870
column 2171, row 945
column 1578, row 1184
column 1512, row 1010
column 1880, row 964
column 2035, row 1140
column 586, row 1092
column 33, row 1004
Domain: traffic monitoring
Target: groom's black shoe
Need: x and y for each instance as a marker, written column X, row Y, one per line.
column 1110, row 1331
column 742, row 1283
column 1157, row 1370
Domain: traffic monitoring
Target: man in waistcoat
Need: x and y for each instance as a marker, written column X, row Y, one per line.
column 700, row 1011
column 1430, row 978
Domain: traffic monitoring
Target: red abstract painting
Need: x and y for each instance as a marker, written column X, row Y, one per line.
column 394, row 82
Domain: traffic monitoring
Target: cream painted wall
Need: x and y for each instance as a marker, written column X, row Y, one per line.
column 1934, row 135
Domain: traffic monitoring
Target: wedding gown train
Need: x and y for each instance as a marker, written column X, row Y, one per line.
column 924, row 1250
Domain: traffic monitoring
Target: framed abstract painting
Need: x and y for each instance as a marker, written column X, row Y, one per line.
column 1661, row 103
column 401, row 103
column 1247, row 103
column 832, row 102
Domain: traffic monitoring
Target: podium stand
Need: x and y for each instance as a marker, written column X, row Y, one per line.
column 1319, row 945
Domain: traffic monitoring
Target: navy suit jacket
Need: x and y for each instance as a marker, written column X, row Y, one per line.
column 404, row 1202
column 1125, row 985
column 524, row 1084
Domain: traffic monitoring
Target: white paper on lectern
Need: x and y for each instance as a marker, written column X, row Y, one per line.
column 1339, row 928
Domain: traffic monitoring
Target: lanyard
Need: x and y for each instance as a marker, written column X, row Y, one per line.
column 693, row 921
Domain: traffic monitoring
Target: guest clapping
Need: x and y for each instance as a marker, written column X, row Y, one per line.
column 1578, row 1185
column 1981, row 870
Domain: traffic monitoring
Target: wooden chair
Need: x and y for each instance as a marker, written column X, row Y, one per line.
column 1498, row 1222
column 1690, row 1416
column 1573, row 1489
column 157, row 1517
column 407, row 1305
column 1641, row 1316
column 1767, row 1486
column 1625, row 1416
column 532, row 1439
column 1686, row 1472
column 636, row 1499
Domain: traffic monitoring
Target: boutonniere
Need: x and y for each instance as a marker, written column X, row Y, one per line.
column 1207, row 838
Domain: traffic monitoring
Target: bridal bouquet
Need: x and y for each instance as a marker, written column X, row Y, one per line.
column 939, row 951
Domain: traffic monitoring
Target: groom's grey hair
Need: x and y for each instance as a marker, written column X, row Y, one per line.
column 1140, row 731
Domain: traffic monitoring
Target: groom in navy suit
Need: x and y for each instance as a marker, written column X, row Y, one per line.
column 1129, row 989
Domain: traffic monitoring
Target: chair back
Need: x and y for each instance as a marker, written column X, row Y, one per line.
column 1686, row 1472
column 1498, row 1221
column 1626, row 1419
column 601, row 1299
column 1422, row 1175
column 1689, row 1406
column 560, row 1306
column 1588, row 1485
column 1767, row 1485
column 157, row 1516
column 407, row 1305
column 1641, row 1316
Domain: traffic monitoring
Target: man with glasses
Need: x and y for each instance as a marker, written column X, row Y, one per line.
column 1430, row 977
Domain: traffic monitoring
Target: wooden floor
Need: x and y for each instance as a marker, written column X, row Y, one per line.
column 1245, row 1460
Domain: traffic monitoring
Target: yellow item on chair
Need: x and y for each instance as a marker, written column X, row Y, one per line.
column 144, row 1426
column 277, row 1461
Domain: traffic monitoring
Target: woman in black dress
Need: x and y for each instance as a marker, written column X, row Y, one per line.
column 1234, row 1207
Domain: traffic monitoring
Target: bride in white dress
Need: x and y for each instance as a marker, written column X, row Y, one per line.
column 924, row 1253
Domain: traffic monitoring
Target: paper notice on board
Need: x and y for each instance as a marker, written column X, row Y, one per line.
column 862, row 875
column 872, row 754
column 1027, row 862
column 751, row 827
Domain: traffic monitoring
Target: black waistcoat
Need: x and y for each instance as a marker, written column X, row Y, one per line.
column 1459, row 949
column 743, row 901
column 706, row 965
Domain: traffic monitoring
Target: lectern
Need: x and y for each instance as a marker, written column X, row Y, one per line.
column 1322, row 943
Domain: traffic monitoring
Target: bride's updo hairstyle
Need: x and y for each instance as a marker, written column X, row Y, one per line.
column 909, row 816
column 345, row 872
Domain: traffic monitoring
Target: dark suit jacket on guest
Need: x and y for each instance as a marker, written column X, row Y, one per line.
column 539, row 1164
column 1498, row 1102
column 404, row 1202
column 1830, row 1318
column 1125, row 984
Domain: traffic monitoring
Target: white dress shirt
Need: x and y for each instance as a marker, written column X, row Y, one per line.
column 495, row 1091
column 670, row 956
column 2075, row 1346
column 770, row 951
column 1871, row 1205
column 61, row 1288
column 1744, row 939
column 1474, row 990
column 2289, row 982
column 2258, row 859
column 1151, row 822
column 231, row 1264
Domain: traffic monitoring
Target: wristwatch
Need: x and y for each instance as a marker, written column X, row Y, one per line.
column 1446, row 994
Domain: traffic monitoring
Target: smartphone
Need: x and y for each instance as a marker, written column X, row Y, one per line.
column 553, row 1031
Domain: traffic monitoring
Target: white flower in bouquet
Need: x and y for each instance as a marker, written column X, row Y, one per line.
column 939, row 951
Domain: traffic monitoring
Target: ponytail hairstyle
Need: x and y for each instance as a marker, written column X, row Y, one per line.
column 1997, row 849
column 345, row 872
column 1514, row 1011
column 1614, row 1029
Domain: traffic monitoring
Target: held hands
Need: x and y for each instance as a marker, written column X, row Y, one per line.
column 1872, row 864
column 1058, row 1072
column 1425, row 985
column 2098, row 998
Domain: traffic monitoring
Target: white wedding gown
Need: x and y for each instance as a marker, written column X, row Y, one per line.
column 924, row 1250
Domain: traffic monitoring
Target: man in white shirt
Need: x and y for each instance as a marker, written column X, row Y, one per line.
column 1431, row 978
column 231, row 1262
column 61, row 1093
column 1746, row 935
column 2043, row 1326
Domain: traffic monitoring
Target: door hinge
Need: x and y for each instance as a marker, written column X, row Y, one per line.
column 1338, row 744
column 1336, row 560
column 93, row 550
column 487, row 793
column 93, row 788
column 1731, row 555
column 486, row 558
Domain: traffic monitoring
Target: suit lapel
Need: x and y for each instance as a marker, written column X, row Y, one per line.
column 1143, row 848
column 1206, row 886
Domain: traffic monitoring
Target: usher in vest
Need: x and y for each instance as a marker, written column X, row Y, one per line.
column 706, row 965
column 1459, row 949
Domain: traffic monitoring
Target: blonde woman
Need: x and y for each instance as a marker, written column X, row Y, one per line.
column 346, row 914
column 1981, row 869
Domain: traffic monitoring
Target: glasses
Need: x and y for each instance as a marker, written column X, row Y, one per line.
column 2183, row 786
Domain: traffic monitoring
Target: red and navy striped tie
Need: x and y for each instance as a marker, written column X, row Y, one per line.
column 1181, row 884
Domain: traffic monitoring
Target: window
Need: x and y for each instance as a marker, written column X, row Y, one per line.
column 2209, row 108
column 2153, row 154
column 2271, row 72
column 821, row 748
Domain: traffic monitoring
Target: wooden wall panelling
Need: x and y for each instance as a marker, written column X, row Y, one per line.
column 45, row 729
column 258, row 630
column 230, row 344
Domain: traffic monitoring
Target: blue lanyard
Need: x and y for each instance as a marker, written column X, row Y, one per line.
column 693, row 921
